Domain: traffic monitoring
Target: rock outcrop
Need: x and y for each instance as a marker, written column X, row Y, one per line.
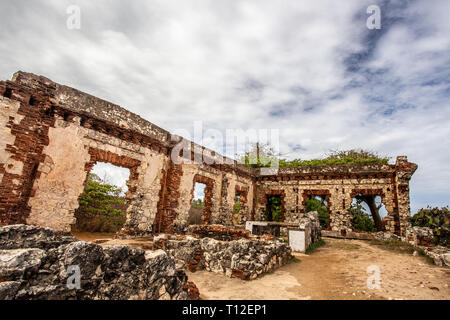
column 39, row 263
column 440, row 255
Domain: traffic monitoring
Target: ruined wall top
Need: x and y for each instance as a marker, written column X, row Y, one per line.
column 80, row 102
column 401, row 164
column 92, row 107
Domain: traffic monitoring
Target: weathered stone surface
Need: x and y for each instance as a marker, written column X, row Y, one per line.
column 420, row 236
column 218, row 232
column 8, row 289
column 19, row 263
column 440, row 255
column 386, row 236
column 113, row 272
column 311, row 225
column 24, row 236
column 308, row 232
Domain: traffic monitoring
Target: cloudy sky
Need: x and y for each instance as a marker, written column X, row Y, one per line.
column 311, row 69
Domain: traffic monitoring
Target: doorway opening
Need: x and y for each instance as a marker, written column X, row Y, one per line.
column 274, row 208
column 319, row 203
column 197, row 205
column 102, row 204
column 367, row 211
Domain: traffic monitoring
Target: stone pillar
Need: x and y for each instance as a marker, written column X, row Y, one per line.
column 404, row 171
column 339, row 217
column 224, row 216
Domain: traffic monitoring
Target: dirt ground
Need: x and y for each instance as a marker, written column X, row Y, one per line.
column 337, row 270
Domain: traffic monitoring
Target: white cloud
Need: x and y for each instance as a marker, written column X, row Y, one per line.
column 258, row 64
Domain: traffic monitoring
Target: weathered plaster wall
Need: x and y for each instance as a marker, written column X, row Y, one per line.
column 194, row 173
column 56, row 191
column 70, row 156
column 24, row 134
column 9, row 112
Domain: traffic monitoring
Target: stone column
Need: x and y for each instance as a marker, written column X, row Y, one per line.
column 404, row 171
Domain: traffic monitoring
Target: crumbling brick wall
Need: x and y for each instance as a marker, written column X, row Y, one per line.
column 52, row 135
column 339, row 184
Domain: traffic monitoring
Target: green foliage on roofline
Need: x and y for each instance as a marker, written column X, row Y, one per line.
column 266, row 156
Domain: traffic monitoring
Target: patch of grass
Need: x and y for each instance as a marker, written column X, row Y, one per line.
column 294, row 260
column 346, row 246
column 394, row 245
column 401, row 247
column 422, row 253
column 313, row 246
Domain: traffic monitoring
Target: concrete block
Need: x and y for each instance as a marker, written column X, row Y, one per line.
column 297, row 240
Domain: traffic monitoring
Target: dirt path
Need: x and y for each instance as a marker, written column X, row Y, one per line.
column 336, row 271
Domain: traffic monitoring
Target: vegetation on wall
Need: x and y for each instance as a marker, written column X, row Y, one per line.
column 101, row 207
column 314, row 204
column 237, row 206
column 437, row 219
column 262, row 155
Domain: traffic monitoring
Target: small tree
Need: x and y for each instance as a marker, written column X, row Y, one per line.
column 260, row 155
column 101, row 207
column 360, row 218
column 437, row 219
column 198, row 204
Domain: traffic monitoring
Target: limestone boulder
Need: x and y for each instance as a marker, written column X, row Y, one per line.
column 113, row 272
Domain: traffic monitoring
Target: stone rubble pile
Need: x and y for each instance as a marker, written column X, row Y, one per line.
column 386, row 236
column 217, row 231
column 440, row 255
column 35, row 264
column 420, row 236
column 244, row 258
column 311, row 225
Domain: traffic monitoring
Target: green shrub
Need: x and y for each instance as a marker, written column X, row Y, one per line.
column 275, row 208
column 401, row 247
column 237, row 207
column 437, row 219
column 101, row 207
column 266, row 156
column 361, row 220
column 313, row 246
column 198, row 204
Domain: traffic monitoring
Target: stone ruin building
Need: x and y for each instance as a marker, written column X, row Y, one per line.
column 52, row 135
